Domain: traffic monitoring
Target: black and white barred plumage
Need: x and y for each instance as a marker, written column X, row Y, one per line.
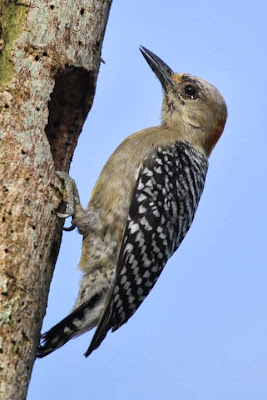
column 162, row 209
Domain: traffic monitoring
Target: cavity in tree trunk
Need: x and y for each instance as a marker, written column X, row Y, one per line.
column 49, row 61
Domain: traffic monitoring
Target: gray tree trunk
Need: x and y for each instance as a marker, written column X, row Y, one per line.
column 49, row 61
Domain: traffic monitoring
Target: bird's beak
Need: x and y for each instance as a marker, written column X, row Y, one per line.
column 162, row 70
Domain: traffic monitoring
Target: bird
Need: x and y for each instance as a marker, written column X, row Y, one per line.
column 141, row 207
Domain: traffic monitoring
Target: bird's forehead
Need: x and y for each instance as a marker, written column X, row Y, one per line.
column 182, row 76
column 177, row 77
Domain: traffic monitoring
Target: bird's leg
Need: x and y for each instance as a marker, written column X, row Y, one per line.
column 72, row 199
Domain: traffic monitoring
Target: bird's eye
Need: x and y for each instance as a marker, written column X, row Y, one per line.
column 189, row 91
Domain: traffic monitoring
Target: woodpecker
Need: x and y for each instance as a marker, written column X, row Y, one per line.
column 141, row 208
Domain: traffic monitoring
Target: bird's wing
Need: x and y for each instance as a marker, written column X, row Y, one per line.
column 162, row 208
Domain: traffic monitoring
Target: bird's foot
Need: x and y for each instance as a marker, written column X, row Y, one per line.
column 72, row 198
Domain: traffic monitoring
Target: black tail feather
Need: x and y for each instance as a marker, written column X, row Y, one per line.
column 65, row 330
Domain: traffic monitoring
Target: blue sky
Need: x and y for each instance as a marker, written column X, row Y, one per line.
column 202, row 332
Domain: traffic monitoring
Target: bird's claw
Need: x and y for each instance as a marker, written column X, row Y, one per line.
column 60, row 215
column 69, row 228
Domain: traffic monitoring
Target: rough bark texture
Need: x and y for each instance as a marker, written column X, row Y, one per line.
column 49, row 61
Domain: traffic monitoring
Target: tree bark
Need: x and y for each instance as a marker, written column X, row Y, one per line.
column 49, row 62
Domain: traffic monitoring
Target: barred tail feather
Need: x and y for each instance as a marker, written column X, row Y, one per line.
column 81, row 320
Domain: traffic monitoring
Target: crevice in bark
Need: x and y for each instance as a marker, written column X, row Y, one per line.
column 69, row 104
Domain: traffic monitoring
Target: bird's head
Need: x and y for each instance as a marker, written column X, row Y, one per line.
column 189, row 103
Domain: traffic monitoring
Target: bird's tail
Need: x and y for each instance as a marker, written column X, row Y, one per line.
column 81, row 320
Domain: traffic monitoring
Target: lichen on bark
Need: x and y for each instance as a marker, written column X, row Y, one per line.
column 13, row 15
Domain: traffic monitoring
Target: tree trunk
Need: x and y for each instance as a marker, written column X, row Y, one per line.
column 49, row 61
